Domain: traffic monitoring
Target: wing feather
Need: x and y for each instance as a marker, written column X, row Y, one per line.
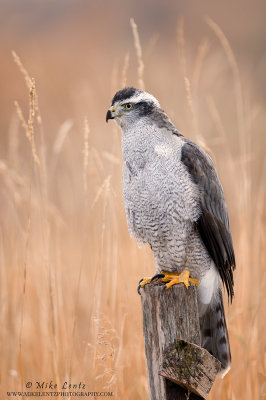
column 213, row 223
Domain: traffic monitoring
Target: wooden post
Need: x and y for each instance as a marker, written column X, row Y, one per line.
column 178, row 368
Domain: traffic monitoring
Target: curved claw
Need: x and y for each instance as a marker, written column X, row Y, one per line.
column 145, row 281
column 157, row 276
column 142, row 283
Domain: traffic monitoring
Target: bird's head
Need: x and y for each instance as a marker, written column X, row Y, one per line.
column 130, row 104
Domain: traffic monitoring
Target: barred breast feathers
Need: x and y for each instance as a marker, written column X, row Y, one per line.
column 153, row 173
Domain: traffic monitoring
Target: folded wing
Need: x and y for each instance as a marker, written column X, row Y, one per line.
column 213, row 223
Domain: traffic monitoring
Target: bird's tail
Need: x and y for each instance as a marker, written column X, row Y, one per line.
column 214, row 335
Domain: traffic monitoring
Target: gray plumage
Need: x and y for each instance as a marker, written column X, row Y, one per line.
column 175, row 203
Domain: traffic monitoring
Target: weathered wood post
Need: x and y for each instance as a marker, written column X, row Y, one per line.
column 178, row 368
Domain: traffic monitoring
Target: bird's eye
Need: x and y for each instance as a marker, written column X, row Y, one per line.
column 128, row 106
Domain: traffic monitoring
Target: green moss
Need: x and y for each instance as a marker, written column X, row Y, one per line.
column 183, row 359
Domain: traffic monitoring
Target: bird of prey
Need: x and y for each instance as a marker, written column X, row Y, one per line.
column 174, row 201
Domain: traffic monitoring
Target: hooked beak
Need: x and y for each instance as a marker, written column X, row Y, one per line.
column 112, row 113
column 109, row 114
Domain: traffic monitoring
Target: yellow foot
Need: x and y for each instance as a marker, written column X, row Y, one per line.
column 172, row 278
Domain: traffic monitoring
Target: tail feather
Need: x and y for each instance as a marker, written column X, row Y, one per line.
column 214, row 335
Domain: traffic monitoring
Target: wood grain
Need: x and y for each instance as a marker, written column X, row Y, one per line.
column 176, row 364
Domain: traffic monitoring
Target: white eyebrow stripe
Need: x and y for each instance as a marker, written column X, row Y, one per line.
column 143, row 96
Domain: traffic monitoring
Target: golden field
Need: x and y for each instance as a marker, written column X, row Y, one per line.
column 68, row 268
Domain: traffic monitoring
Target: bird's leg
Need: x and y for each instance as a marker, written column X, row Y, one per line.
column 172, row 278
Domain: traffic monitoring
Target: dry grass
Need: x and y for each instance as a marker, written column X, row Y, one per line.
column 138, row 48
column 69, row 271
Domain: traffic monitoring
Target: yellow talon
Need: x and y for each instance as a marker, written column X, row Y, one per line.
column 144, row 282
column 172, row 278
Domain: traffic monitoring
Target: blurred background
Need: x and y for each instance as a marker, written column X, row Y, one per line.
column 69, row 309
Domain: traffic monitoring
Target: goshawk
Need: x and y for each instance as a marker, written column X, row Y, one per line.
column 175, row 202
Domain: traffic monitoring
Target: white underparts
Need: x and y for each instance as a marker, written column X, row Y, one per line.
column 163, row 150
column 209, row 284
column 223, row 372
